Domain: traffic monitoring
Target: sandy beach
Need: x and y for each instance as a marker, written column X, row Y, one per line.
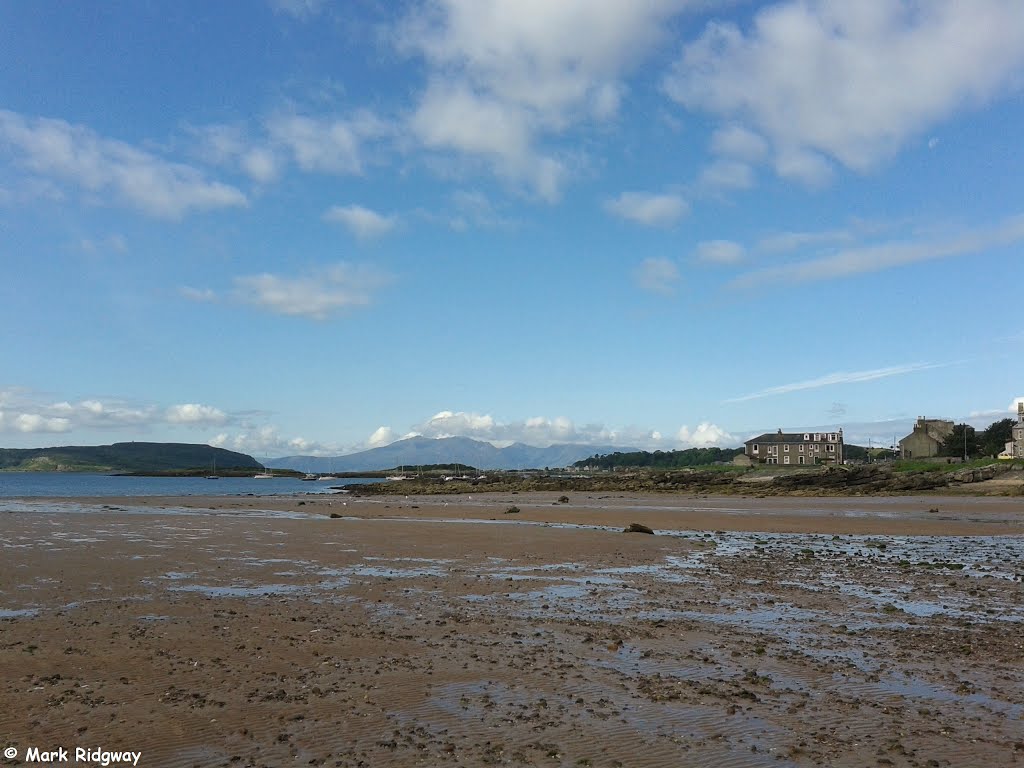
column 445, row 630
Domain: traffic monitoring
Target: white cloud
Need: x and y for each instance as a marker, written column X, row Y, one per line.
column 473, row 208
column 842, row 377
column 727, row 174
column 195, row 413
column 874, row 258
column 791, row 241
column 205, row 295
column 317, row 294
column 508, row 74
column 652, row 210
column 705, row 435
column 454, row 117
column 115, row 243
column 28, row 412
column 267, row 441
column 32, row 423
column 720, row 252
column 537, row 430
column 552, row 58
column 381, row 436
column 657, row 275
column 228, row 145
column 826, row 80
column 360, row 221
column 102, row 167
column 325, row 144
column 803, row 165
column 738, row 142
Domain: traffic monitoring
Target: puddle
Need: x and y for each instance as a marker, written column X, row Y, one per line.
column 17, row 613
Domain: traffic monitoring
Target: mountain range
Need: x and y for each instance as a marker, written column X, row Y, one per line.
column 415, row 451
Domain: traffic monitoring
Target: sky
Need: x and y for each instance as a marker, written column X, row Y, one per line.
column 314, row 227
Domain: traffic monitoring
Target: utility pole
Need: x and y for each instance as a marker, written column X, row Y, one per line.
column 965, row 443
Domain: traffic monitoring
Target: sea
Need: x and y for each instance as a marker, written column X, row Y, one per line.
column 69, row 484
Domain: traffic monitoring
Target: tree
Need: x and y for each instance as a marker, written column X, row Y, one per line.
column 996, row 436
column 955, row 444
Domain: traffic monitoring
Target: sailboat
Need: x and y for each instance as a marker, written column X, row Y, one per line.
column 400, row 476
column 213, row 473
column 266, row 474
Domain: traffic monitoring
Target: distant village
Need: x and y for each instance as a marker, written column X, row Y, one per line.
column 926, row 442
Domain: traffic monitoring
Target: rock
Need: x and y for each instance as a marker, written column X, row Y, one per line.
column 638, row 528
column 335, row 515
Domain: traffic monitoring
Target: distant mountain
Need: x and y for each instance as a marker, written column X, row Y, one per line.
column 415, row 451
column 124, row 457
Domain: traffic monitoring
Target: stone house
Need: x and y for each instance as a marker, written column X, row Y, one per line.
column 796, row 448
column 1016, row 445
column 926, row 439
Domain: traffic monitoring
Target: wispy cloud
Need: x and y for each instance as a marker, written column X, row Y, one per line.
column 784, row 242
column 198, row 294
column 842, row 377
column 720, row 252
column 361, row 222
column 652, row 210
column 875, row 258
column 100, row 166
column 317, row 294
column 657, row 275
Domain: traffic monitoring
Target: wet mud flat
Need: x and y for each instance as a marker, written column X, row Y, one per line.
column 275, row 635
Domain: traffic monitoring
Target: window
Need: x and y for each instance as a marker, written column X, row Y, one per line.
column 801, row 459
column 801, row 450
column 817, row 436
column 831, row 449
column 807, row 436
column 787, row 460
column 755, row 447
column 785, row 448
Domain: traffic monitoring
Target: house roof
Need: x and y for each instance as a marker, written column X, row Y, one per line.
column 789, row 437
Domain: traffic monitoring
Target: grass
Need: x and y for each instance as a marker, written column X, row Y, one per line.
column 930, row 466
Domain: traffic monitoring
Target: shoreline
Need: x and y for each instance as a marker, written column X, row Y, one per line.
column 883, row 515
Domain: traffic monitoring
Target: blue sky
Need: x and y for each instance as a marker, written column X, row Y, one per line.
column 303, row 226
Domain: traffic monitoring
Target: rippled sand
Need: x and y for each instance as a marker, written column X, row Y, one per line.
column 846, row 632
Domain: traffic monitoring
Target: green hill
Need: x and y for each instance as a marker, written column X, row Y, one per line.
column 125, row 457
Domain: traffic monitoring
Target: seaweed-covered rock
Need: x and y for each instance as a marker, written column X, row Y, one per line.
column 638, row 528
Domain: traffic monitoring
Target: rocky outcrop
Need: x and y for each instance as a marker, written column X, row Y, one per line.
column 868, row 479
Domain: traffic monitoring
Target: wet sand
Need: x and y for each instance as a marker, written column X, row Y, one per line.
column 443, row 631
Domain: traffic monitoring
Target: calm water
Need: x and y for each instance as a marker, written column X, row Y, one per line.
column 15, row 484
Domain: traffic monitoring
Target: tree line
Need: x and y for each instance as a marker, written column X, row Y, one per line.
column 965, row 439
column 689, row 457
